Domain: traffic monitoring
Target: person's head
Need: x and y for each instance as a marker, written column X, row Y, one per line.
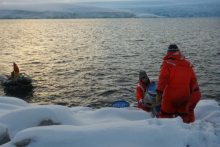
column 143, row 77
column 172, row 48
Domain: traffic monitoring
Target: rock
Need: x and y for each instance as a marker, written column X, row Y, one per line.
column 22, row 143
column 48, row 122
column 4, row 136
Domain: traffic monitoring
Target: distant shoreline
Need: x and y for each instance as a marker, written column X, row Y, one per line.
column 105, row 18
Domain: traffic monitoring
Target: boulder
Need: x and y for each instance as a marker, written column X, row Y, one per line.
column 4, row 136
column 22, row 143
column 48, row 122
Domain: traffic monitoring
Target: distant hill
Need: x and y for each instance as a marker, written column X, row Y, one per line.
column 116, row 9
column 22, row 14
column 181, row 10
column 57, row 11
column 166, row 8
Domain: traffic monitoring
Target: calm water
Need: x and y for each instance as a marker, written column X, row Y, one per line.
column 93, row 62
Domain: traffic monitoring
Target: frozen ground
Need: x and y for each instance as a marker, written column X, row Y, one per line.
column 108, row 127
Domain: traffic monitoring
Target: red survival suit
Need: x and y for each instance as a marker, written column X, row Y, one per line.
column 195, row 97
column 16, row 71
column 176, row 80
column 140, row 95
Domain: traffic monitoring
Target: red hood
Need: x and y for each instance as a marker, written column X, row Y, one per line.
column 178, row 58
column 175, row 55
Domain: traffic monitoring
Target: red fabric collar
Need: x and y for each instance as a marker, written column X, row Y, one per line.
column 142, row 84
column 175, row 55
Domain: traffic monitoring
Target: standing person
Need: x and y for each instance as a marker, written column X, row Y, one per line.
column 195, row 97
column 144, row 82
column 176, row 81
column 16, row 72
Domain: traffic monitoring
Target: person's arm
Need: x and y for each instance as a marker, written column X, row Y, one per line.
column 140, row 97
column 164, row 77
column 163, row 81
column 139, row 94
column 193, row 81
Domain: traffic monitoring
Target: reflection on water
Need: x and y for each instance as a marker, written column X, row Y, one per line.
column 93, row 62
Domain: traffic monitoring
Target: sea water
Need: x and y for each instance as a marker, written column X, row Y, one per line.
column 94, row 62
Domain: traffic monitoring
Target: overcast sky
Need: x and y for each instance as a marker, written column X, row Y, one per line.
column 5, row 2
column 48, row 1
column 63, row 1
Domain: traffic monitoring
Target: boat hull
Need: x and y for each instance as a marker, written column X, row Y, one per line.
column 22, row 80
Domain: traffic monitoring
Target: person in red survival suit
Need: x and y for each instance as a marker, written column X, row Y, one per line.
column 195, row 97
column 176, row 81
column 144, row 82
column 16, row 70
column 15, row 73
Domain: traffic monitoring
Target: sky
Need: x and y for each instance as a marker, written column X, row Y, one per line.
column 48, row 1
column 76, row 1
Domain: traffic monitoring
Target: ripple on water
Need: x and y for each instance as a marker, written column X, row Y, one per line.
column 93, row 63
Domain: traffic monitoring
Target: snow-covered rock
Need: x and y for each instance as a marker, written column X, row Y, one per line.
column 4, row 136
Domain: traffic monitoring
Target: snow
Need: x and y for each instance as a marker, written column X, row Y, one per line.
column 106, row 127
column 60, row 10
column 181, row 10
column 111, row 9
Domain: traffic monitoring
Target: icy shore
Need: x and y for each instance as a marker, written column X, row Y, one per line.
column 53, row 125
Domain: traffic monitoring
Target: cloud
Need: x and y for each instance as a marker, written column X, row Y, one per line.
column 17, row 2
column 48, row 1
column 39, row 1
column 29, row 1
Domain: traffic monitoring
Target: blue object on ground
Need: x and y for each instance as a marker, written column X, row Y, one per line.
column 120, row 104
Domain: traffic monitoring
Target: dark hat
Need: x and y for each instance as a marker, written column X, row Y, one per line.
column 142, row 74
column 172, row 48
